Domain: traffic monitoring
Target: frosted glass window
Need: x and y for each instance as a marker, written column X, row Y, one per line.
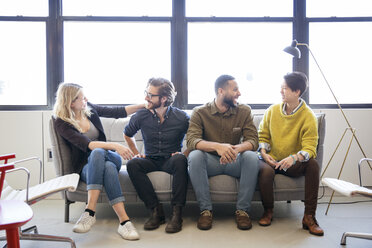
column 24, row 8
column 251, row 52
column 117, row 7
column 339, row 8
column 239, row 8
column 114, row 61
column 343, row 52
column 23, row 63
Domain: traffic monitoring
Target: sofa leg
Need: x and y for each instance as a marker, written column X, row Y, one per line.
column 289, row 201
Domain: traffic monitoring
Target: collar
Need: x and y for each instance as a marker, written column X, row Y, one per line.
column 295, row 110
column 215, row 110
column 166, row 115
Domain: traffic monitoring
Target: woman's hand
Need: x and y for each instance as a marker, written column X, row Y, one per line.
column 285, row 163
column 269, row 160
column 125, row 152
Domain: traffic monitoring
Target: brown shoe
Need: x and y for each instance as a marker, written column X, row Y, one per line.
column 309, row 223
column 266, row 218
column 242, row 220
column 175, row 223
column 205, row 220
column 156, row 219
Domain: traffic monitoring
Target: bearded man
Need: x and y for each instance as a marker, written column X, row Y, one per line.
column 163, row 129
column 222, row 139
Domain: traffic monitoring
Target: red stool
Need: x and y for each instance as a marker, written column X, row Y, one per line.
column 13, row 214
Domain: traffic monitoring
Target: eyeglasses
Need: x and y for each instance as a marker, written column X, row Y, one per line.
column 149, row 95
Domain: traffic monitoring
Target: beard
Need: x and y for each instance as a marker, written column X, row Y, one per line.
column 155, row 105
column 229, row 101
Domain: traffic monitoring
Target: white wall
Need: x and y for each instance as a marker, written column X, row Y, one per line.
column 360, row 120
column 26, row 133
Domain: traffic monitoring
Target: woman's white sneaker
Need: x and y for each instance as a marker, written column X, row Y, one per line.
column 128, row 231
column 84, row 223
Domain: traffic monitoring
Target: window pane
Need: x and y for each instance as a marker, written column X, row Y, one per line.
column 24, row 7
column 251, row 52
column 22, row 63
column 339, row 8
column 239, row 8
column 114, row 61
column 343, row 52
column 117, row 7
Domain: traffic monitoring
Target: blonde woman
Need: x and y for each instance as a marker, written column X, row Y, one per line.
column 97, row 161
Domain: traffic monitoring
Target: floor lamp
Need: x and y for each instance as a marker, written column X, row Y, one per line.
column 293, row 50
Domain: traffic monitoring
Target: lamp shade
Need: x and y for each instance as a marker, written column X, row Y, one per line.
column 293, row 50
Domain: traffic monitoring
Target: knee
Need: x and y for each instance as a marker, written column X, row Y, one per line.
column 266, row 171
column 114, row 157
column 98, row 153
column 180, row 162
column 195, row 156
column 250, row 159
column 133, row 165
column 312, row 166
column 195, row 159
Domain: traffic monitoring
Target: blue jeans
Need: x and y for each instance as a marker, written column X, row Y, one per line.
column 203, row 165
column 102, row 171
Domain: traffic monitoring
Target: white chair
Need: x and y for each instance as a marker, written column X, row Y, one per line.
column 349, row 189
column 36, row 193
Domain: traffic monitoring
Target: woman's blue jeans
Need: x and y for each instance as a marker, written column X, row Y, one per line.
column 102, row 171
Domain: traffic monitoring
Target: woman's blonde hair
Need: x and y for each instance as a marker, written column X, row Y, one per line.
column 67, row 93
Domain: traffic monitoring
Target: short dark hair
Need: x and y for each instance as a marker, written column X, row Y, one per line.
column 221, row 82
column 166, row 88
column 297, row 81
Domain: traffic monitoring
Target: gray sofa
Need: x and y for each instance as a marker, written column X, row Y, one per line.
column 223, row 188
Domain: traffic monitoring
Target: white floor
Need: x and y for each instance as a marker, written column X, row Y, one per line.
column 285, row 231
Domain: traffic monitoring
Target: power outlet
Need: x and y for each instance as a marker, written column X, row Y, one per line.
column 50, row 155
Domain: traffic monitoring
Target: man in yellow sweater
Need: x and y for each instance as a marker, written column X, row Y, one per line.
column 288, row 137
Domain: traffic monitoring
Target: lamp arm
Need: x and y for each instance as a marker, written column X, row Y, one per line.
column 325, row 79
column 334, row 96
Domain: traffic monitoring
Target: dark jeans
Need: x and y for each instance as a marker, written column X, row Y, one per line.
column 175, row 165
column 309, row 169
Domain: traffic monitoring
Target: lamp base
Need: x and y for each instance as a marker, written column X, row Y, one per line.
column 353, row 130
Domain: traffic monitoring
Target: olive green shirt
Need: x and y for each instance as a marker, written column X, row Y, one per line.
column 232, row 127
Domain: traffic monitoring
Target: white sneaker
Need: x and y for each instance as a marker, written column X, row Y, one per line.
column 128, row 231
column 84, row 224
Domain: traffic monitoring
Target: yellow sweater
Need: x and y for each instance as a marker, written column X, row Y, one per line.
column 289, row 134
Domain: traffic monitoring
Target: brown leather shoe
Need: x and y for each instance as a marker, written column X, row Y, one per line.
column 205, row 220
column 266, row 218
column 156, row 219
column 309, row 223
column 175, row 223
column 242, row 220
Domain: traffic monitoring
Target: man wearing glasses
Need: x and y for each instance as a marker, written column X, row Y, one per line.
column 163, row 129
